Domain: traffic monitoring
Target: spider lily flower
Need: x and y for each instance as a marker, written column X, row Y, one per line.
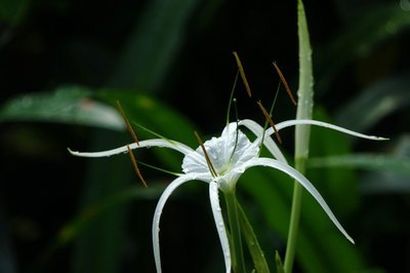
column 230, row 154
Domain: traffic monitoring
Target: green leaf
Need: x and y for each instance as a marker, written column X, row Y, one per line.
column 97, row 108
column 70, row 105
column 364, row 161
column 375, row 103
column 255, row 250
column 278, row 262
column 305, row 91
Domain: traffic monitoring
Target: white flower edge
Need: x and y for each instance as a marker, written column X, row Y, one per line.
column 155, row 142
column 294, row 122
column 273, row 148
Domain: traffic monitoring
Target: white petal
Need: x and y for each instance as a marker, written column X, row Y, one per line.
column 156, row 142
column 220, row 225
column 195, row 162
column 255, row 128
column 289, row 123
column 158, row 211
column 268, row 162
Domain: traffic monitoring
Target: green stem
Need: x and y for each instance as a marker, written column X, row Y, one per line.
column 302, row 132
column 238, row 263
column 294, row 218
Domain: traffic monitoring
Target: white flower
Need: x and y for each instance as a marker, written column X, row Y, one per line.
column 230, row 155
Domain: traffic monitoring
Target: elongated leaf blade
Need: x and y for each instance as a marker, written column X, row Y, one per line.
column 305, row 91
column 364, row 161
column 255, row 249
column 70, row 105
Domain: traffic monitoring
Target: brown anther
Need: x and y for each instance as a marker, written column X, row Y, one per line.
column 242, row 73
column 270, row 121
column 285, row 83
column 208, row 160
column 135, row 165
column 127, row 123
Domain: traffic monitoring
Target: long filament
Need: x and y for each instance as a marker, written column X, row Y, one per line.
column 228, row 112
column 237, row 128
column 242, row 73
column 269, row 119
column 135, row 165
column 208, row 160
column 127, row 123
column 285, row 83
column 270, row 113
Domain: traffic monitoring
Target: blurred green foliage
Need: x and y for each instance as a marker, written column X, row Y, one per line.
column 169, row 63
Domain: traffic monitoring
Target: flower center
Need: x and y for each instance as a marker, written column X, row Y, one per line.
column 227, row 154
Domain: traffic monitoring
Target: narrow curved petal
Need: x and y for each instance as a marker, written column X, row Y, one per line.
column 156, row 142
column 158, row 211
column 220, row 225
column 257, row 130
column 294, row 122
column 268, row 162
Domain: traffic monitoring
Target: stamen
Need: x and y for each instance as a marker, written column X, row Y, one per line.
column 127, row 123
column 270, row 114
column 231, row 96
column 159, row 169
column 285, row 83
column 135, row 165
column 208, row 160
column 134, row 137
column 274, row 99
column 237, row 128
column 269, row 119
column 242, row 73
column 151, row 131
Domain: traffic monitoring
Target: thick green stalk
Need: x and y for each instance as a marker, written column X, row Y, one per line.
column 235, row 242
column 302, row 133
column 294, row 220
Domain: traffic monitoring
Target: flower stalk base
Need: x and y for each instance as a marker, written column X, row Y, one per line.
column 235, row 239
